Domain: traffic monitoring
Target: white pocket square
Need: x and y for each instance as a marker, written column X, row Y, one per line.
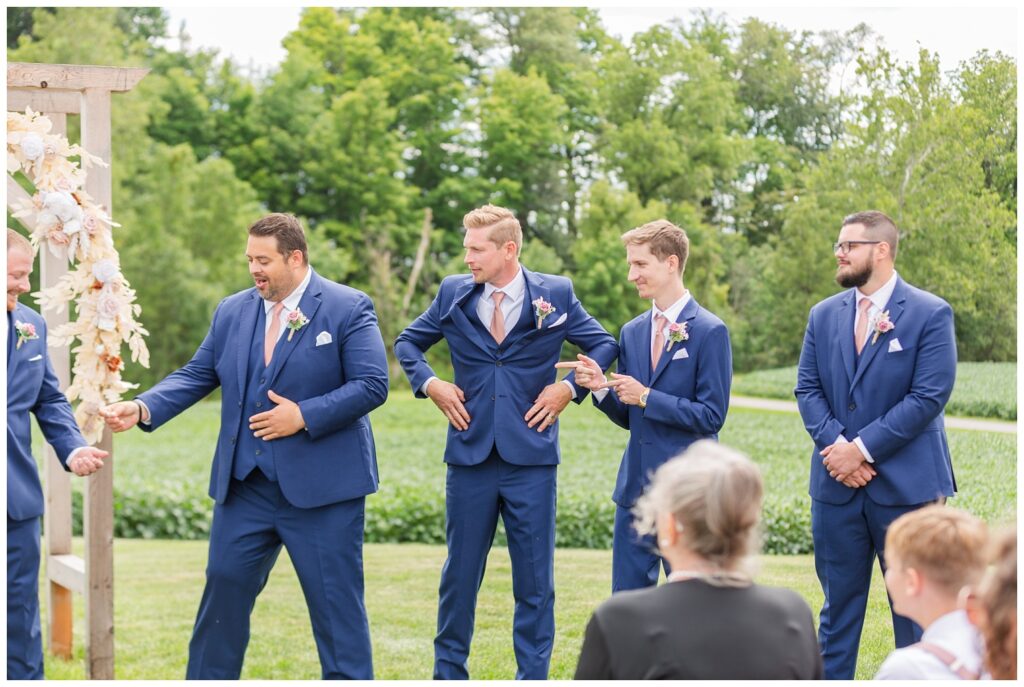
column 894, row 346
column 560, row 321
column 35, row 358
column 323, row 338
column 681, row 353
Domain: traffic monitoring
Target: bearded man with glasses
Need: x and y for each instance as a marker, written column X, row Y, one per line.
column 876, row 369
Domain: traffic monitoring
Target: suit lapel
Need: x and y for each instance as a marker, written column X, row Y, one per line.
column 895, row 308
column 246, row 333
column 464, row 299
column 14, row 353
column 844, row 325
column 640, row 341
column 308, row 304
column 526, row 326
column 687, row 314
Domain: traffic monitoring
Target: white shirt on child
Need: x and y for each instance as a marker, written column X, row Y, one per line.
column 954, row 633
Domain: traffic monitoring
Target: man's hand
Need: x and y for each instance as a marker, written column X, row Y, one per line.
column 121, row 416
column 450, row 399
column 87, row 460
column 860, row 477
column 626, row 388
column 841, row 459
column 588, row 372
column 282, row 421
column 551, row 401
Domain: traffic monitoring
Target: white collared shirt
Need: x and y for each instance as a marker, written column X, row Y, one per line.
column 511, row 304
column 291, row 302
column 670, row 313
column 954, row 633
column 879, row 299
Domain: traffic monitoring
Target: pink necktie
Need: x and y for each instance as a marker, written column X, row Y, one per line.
column 497, row 319
column 861, row 336
column 660, row 322
column 275, row 328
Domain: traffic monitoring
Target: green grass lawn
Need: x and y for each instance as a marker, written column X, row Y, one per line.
column 981, row 389
column 159, row 584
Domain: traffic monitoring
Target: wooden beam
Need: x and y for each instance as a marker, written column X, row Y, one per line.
column 73, row 77
column 99, row 567
column 49, row 101
column 67, row 571
column 57, row 533
column 15, row 196
column 99, row 495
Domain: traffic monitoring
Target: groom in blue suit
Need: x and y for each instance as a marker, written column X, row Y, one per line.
column 31, row 389
column 505, row 327
column 671, row 389
column 300, row 363
column 876, row 369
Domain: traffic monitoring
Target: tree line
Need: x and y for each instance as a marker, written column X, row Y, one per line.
column 383, row 126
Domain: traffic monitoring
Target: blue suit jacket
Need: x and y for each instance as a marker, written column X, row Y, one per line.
column 688, row 400
column 892, row 399
column 502, row 381
column 335, row 385
column 32, row 387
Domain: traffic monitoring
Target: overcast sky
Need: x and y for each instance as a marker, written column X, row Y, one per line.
column 252, row 35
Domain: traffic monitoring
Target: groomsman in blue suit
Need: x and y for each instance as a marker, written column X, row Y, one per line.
column 31, row 388
column 671, row 389
column 876, row 369
column 300, row 363
column 504, row 326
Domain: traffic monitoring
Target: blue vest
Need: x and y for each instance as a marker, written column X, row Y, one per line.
column 251, row 452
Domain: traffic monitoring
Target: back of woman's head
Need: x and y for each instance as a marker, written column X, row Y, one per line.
column 715, row 495
column 997, row 595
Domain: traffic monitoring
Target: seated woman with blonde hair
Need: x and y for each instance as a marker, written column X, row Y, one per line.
column 709, row 621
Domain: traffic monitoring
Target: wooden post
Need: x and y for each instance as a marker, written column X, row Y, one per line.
column 99, row 495
column 57, row 527
column 57, row 90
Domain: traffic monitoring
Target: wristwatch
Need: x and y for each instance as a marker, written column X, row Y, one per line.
column 644, row 395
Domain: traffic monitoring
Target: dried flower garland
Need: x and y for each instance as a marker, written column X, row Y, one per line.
column 74, row 227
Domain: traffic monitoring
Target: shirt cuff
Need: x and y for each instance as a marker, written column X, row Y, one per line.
column 423, row 389
column 74, row 453
column 599, row 395
column 572, row 389
column 863, row 449
column 145, row 417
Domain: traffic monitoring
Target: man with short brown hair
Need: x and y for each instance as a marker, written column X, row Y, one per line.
column 876, row 369
column 671, row 388
column 300, row 363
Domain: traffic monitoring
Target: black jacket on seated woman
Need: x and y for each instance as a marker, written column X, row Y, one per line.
column 709, row 621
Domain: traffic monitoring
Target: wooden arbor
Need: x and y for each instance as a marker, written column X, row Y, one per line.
column 58, row 90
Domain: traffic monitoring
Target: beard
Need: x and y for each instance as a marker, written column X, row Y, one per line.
column 853, row 277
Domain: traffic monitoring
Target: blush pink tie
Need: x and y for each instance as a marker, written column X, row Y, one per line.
column 862, row 324
column 660, row 322
column 275, row 328
column 497, row 319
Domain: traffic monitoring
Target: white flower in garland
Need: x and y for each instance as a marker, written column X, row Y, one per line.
column 73, row 226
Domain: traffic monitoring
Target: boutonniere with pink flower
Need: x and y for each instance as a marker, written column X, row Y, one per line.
column 26, row 332
column 677, row 334
column 542, row 309
column 882, row 325
column 296, row 321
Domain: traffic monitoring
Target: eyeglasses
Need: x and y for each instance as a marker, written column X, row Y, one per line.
column 843, row 247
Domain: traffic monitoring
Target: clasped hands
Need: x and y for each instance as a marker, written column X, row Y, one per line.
column 542, row 414
column 845, row 463
column 283, row 420
column 590, row 376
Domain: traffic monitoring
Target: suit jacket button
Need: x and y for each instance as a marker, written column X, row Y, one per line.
column 239, row 404
column 258, row 452
column 498, row 363
column 259, row 404
column 853, row 406
column 232, row 440
column 492, row 398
